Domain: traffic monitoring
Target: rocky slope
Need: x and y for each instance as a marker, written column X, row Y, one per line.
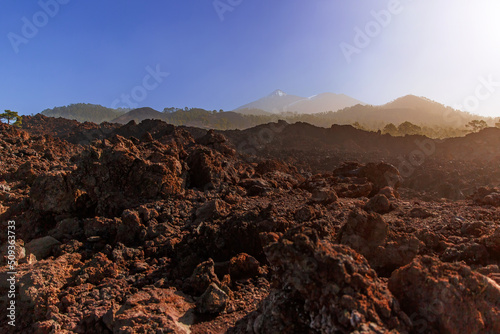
column 151, row 228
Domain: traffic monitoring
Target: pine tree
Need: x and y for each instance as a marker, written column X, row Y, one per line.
column 9, row 115
column 19, row 121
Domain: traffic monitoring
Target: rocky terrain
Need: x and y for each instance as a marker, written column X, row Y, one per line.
column 152, row 228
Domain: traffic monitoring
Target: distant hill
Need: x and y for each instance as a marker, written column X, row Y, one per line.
column 85, row 112
column 195, row 117
column 257, row 112
column 430, row 118
column 414, row 109
column 275, row 103
column 279, row 102
column 323, row 102
column 138, row 115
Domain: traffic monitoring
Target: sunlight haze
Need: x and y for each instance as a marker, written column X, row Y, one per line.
column 224, row 57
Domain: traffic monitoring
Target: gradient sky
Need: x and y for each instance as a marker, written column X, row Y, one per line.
column 100, row 51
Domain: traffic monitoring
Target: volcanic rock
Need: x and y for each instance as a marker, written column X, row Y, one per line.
column 487, row 196
column 379, row 204
column 152, row 310
column 202, row 277
column 243, row 266
column 41, row 247
column 323, row 287
column 324, row 196
column 447, row 297
column 212, row 301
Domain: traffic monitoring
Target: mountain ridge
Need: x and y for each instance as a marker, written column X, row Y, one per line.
column 279, row 101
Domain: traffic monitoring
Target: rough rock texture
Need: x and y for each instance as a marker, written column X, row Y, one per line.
column 447, row 297
column 371, row 236
column 323, row 287
column 41, row 247
column 151, row 310
column 212, row 301
column 155, row 228
column 487, row 196
column 379, row 204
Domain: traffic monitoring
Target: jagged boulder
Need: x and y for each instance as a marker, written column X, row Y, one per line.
column 370, row 235
column 323, row 287
column 447, row 297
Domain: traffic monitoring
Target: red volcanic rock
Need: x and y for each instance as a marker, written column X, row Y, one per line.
column 243, row 266
column 117, row 176
column 370, row 235
column 363, row 231
column 67, row 229
column 26, row 172
column 256, row 186
column 270, row 166
column 209, row 169
column 323, row 287
column 128, row 231
column 447, row 297
column 324, row 196
column 389, row 192
column 202, row 277
column 420, row 213
column 487, row 196
column 151, row 310
column 41, row 247
column 492, row 243
column 471, row 253
column 216, row 141
column 108, row 180
column 96, row 269
column 38, row 287
column 379, row 204
column 304, row 214
column 381, row 175
column 354, row 190
column 212, row 209
column 53, row 192
column 138, row 209
column 212, row 301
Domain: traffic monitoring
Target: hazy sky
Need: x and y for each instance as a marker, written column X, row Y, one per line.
column 222, row 54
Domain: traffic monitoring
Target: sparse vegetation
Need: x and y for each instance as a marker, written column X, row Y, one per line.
column 9, row 116
column 85, row 112
column 477, row 125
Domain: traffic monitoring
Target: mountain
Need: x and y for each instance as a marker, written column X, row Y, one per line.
column 138, row 115
column 323, row 102
column 275, row 103
column 85, row 112
column 278, row 102
column 414, row 109
column 195, row 117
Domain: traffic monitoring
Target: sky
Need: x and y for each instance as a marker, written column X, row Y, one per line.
column 225, row 53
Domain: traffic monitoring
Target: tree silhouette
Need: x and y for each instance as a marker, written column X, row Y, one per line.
column 408, row 128
column 477, row 125
column 19, row 121
column 390, row 129
column 9, row 115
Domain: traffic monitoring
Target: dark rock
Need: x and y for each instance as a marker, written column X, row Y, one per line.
column 447, row 297
column 323, row 287
column 212, row 301
column 324, row 196
column 243, row 266
column 41, row 247
column 379, row 204
column 202, row 277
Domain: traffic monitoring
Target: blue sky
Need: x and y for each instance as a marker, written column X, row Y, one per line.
column 105, row 52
